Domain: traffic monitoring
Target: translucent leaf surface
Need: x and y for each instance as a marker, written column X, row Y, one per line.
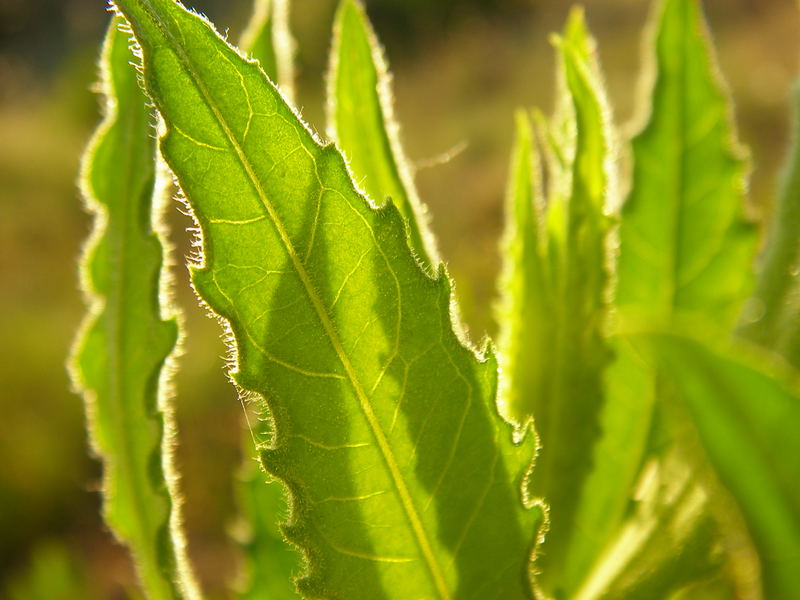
column 746, row 419
column 525, row 315
column 685, row 245
column 555, row 288
column 129, row 337
column 269, row 40
column 404, row 481
column 361, row 122
column 271, row 563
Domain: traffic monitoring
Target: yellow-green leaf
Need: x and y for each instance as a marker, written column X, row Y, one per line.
column 746, row 417
column 271, row 563
column 361, row 122
column 685, row 246
column 268, row 39
column 404, row 481
column 555, row 300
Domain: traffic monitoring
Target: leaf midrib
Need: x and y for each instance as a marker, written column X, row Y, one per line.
column 319, row 307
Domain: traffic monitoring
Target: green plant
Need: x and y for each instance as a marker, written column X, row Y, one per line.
column 664, row 459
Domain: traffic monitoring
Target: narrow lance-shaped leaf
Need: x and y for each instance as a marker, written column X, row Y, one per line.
column 361, row 122
column 556, row 299
column 558, row 135
column 122, row 354
column 268, row 39
column 404, row 481
column 746, row 420
column 772, row 315
column 685, row 245
column 567, row 419
column 556, row 138
column 525, row 312
column 603, row 515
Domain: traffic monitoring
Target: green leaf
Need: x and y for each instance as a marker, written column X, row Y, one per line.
column 557, row 140
column 773, row 313
column 525, row 315
column 525, row 322
column 268, row 39
column 404, row 481
column 123, row 352
column 555, row 300
column 558, row 135
column 361, row 122
column 668, row 539
column 746, row 417
column 567, row 419
column 685, row 245
column 271, row 562
column 618, row 456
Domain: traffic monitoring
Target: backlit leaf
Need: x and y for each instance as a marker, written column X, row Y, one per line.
column 271, row 563
column 404, row 481
column 555, row 299
column 269, row 40
column 685, row 245
column 746, row 419
column 361, row 122
column 122, row 355
column 525, row 315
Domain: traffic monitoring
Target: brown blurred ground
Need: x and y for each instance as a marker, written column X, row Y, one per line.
column 460, row 69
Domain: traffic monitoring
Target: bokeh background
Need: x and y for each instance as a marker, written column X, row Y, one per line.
column 461, row 67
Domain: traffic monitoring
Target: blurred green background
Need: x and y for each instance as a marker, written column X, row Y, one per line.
column 460, row 66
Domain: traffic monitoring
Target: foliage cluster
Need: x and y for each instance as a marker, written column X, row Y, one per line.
column 632, row 436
